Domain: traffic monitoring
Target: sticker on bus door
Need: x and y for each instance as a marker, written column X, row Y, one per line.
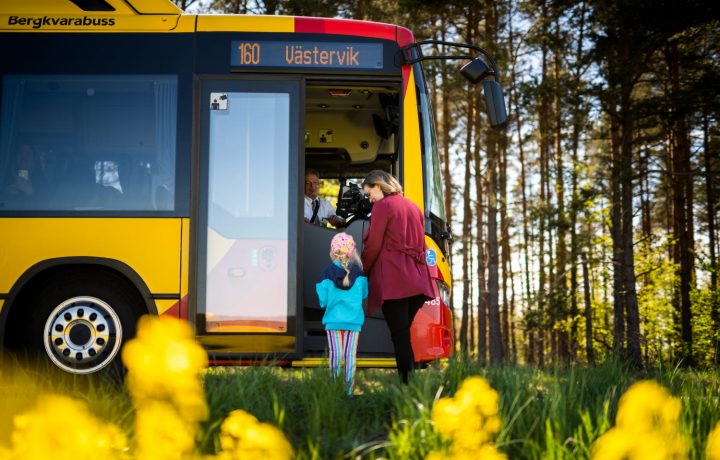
column 218, row 101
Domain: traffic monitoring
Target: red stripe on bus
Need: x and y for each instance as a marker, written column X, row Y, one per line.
column 345, row 27
column 404, row 36
column 178, row 310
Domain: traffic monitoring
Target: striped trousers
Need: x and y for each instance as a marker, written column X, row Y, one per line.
column 343, row 346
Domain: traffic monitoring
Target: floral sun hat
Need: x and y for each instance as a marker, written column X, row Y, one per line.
column 341, row 246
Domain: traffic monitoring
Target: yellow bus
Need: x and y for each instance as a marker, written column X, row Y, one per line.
column 153, row 162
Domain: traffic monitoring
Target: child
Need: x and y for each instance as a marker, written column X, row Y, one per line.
column 341, row 292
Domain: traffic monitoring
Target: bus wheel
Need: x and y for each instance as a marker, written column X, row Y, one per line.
column 82, row 329
column 82, row 335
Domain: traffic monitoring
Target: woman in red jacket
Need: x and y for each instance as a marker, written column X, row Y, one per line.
column 394, row 258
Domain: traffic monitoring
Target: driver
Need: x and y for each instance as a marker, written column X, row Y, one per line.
column 317, row 209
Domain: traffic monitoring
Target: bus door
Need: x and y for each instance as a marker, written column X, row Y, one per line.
column 248, row 217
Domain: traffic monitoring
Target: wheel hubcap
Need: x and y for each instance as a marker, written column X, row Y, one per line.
column 82, row 335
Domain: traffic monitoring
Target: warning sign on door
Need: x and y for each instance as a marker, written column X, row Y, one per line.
column 326, row 136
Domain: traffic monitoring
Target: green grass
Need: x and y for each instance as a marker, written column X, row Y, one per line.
column 548, row 414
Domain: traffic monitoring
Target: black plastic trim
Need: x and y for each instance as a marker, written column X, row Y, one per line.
column 165, row 296
column 93, row 5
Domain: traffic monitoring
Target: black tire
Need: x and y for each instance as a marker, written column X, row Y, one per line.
column 80, row 321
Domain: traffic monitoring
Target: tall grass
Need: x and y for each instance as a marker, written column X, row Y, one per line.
column 547, row 414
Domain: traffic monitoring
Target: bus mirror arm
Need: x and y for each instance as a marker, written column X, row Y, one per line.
column 475, row 71
column 447, row 234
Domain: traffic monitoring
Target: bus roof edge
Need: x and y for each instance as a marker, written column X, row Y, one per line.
column 92, row 7
column 154, row 6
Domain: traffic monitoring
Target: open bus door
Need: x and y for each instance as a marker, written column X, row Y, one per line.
column 247, row 228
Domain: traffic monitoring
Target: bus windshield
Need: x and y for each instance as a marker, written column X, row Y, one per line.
column 434, row 202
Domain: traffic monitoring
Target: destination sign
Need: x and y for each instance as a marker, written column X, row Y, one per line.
column 317, row 55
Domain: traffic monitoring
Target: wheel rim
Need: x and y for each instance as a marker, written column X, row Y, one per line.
column 82, row 335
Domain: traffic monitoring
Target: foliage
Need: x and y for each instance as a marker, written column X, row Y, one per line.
column 657, row 278
column 706, row 334
column 545, row 414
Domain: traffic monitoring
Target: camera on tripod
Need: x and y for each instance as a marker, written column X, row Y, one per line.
column 352, row 203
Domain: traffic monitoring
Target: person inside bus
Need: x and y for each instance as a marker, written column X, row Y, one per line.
column 394, row 258
column 25, row 173
column 318, row 210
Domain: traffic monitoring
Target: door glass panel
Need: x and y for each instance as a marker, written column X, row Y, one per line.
column 248, row 219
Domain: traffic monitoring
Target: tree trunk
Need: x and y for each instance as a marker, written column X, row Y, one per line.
column 482, row 297
column 496, row 356
column 505, row 246
column 588, row 312
column 515, row 107
column 471, row 295
column 543, row 118
column 578, row 120
column 466, row 225
column 560, row 280
column 617, row 239
column 683, row 200
column 631, row 304
column 710, row 194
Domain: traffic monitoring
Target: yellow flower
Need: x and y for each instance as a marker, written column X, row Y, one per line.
column 471, row 416
column 469, row 419
column 475, row 391
column 646, row 406
column 646, row 427
column 242, row 436
column 164, row 362
column 161, row 434
column 165, row 365
column 447, row 416
column 713, row 443
column 62, row 428
column 434, row 455
column 486, row 452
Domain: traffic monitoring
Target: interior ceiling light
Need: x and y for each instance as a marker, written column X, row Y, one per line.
column 339, row 92
column 357, row 106
column 323, row 106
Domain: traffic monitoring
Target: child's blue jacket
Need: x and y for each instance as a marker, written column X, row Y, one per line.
column 343, row 304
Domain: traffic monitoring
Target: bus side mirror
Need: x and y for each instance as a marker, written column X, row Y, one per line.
column 495, row 103
column 476, row 71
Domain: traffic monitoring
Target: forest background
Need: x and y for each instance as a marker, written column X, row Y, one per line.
column 587, row 228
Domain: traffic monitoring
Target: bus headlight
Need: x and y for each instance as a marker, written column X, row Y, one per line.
column 444, row 291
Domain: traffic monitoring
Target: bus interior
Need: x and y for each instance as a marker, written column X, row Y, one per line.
column 349, row 131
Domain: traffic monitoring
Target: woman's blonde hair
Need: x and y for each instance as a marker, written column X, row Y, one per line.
column 386, row 181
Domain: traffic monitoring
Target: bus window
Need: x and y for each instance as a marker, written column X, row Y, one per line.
column 97, row 142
